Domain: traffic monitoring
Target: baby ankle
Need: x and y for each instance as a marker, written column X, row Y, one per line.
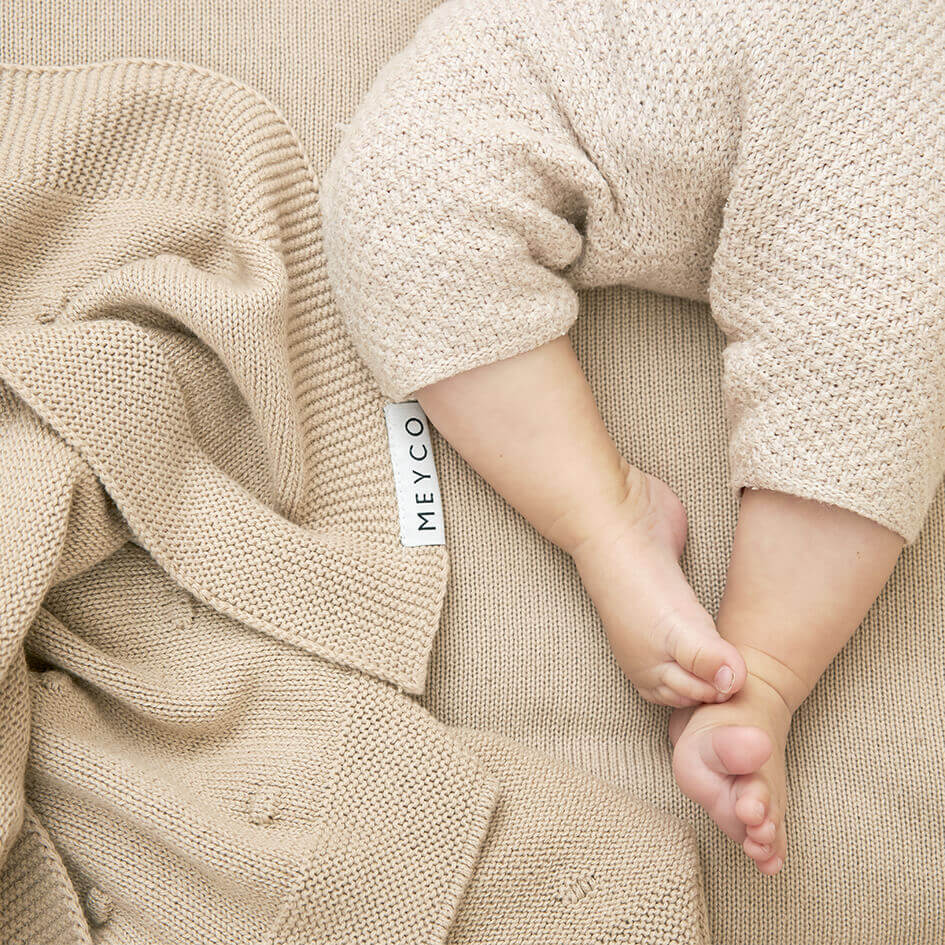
column 605, row 513
column 776, row 676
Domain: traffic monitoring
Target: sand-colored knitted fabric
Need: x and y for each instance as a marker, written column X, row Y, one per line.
column 783, row 161
column 38, row 902
column 210, row 632
column 519, row 648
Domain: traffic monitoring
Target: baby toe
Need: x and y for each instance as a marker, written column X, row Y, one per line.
column 665, row 695
column 688, row 687
column 738, row 750
column 697, row 647
column 759, row 852
column 751, row 807
column 766, row 842
column 763, row 833
column 770, row 866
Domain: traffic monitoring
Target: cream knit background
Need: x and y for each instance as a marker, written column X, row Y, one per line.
column 519, row 650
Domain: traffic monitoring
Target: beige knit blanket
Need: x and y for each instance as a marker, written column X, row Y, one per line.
column 203, row 746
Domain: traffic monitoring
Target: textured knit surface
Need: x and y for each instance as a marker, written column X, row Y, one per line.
column 519, row 649
column 783, row 161
column 209, row 630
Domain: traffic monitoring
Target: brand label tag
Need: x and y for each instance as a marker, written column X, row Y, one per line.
column 418, row 489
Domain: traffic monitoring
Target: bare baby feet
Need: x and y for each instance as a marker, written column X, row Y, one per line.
column 730, row 759
column 664, row 640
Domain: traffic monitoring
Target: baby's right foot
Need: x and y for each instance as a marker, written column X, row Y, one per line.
column 730, row 759
column 664, row 640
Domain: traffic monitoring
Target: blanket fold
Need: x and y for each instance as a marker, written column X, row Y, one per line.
column 164, row 336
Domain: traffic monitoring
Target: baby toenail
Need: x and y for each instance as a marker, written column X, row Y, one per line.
column 724, row 679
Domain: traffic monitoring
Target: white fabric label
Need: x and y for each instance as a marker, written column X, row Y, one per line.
column 418, row 489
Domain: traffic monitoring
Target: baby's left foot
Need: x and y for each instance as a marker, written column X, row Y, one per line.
column 729, row 757
column 663, row 638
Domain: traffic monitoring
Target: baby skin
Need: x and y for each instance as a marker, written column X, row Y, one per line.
column 801, row 577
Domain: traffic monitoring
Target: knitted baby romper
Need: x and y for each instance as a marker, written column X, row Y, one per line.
column 783, row 162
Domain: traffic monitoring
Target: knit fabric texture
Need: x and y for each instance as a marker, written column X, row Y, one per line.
column 781, row 161
column 210, row 632
column 519, row 650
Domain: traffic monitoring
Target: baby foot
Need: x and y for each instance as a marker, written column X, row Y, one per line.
column 664, row 640
column 730, row 759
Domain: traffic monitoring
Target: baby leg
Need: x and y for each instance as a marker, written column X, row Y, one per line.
column 529, row 425
column 801, row 578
